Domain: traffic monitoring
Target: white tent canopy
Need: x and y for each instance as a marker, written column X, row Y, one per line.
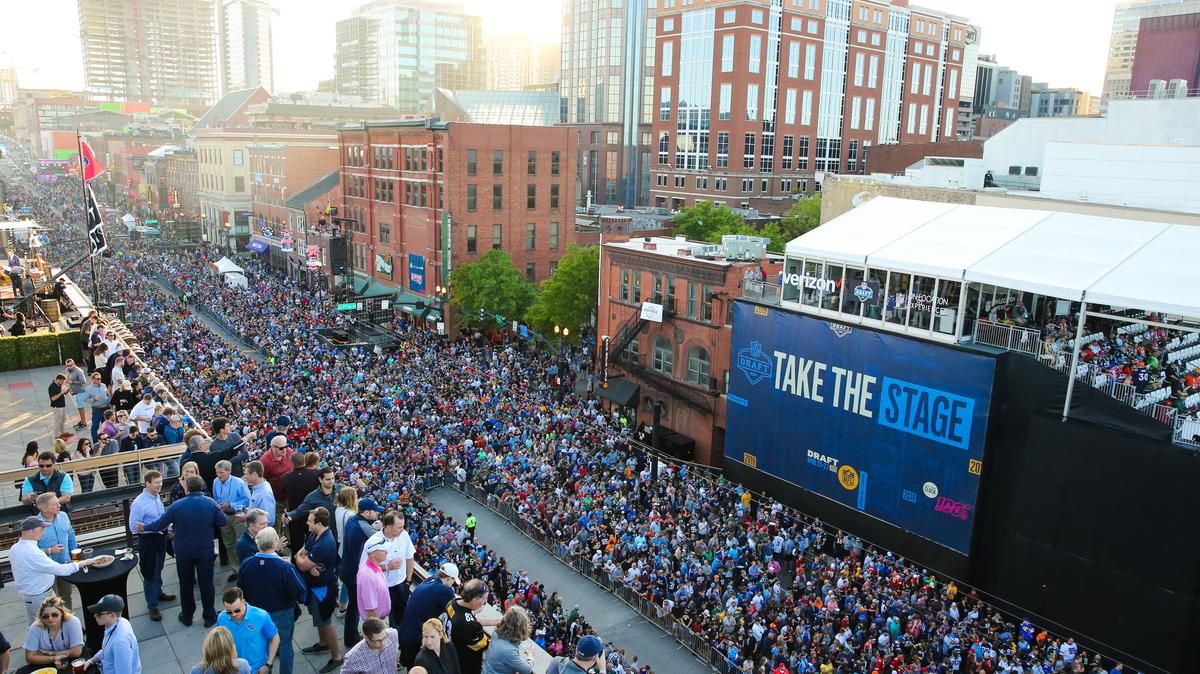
column 226, row 266
column 235, row 280
column 1114, row 261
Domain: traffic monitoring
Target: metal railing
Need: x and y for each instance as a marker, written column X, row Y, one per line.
column 95, row 474
column 761, row 291
column 1009, row 337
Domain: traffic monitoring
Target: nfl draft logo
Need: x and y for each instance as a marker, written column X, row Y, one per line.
column 755, row 364
column 863, row 292
column 839, row 329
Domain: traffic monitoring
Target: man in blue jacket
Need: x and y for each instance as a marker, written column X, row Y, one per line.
column 275, row 586
column 358, row 529
column 193, row 517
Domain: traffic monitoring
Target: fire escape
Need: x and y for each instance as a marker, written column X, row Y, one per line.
column 700, row 398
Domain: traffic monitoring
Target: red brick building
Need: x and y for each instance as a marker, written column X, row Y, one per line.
column 683, row 361
column 1168, row 48
column 278, row 171
column 495, row 187
column 310, row 214
column 751, row 102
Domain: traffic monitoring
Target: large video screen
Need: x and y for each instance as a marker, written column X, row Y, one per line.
column 891, row 426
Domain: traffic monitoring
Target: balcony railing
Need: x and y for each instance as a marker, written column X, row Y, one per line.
column 1009, row 337
column 761, row 291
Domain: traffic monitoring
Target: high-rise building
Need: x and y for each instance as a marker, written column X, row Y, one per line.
column 761, row 98
column 515, row 62
column 162, row 51
column 244, row 31
column 1122, row 46
column 396, row 51
column 606, row 88
column 1047, row 101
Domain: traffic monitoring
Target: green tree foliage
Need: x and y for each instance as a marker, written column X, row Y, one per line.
column 568, row 298
column 705, row 222
column 802, row 217
column 492, row 284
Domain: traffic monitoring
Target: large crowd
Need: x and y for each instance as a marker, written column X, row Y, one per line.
column 763, row 586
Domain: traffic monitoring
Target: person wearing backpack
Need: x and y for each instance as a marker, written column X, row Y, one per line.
column 589, row 653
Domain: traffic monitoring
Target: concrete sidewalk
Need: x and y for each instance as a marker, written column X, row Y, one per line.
column 612, row 619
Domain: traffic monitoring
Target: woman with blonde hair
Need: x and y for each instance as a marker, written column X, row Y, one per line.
column 435, row 656
column 56, row 637
column 185, row 471
column 504, row 654
column 347, row 507
column 218, row 655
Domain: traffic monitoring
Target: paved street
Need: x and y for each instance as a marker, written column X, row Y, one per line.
column 612, row 619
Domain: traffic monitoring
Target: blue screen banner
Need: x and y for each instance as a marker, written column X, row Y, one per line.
column 416, row 273
column 888, row 425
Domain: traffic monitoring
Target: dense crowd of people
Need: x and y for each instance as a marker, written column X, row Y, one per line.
column 763, row 587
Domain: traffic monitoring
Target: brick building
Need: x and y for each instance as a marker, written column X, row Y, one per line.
column 759, row 98
column 1168, row 48
column 683, row 361
column 310, row 214
column 493, row 186
column 277, row 172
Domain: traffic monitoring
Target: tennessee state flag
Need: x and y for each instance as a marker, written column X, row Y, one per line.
column 91, row 167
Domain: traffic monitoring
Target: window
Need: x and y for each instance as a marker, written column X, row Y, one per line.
column 726, row 101
column 239, row 157
column 664, row 148
column 727, row 53
column 664, row 103
column 471, row 196
column 729, row 16
column 855, row 112
column 748, row 150
column 239, row 183
column 706, row 303
column 756, row 16
column 793, row 68
column 472, row 156
column 755, row 53
column 1014, row 170
column 663, row 355
column 789, row 108
column 912, row 118
column 698, row 366
column 691, row 300
column 810, row 61
column 530, row 197
column 806, row 108
column 668, row 25
column 670, row 305
column 530, row 236
column 594, row 137
column 668, row 58
column 554, row 162
column 789, row 143
column 637, row 287
column 751, row 102
column 953, row 84
column 532, row 161
column 802, row 155
column 554, row 236
column 613, row 137
column 928, row 80
column 497, row 197
column 916, row 78
column 385, row 233
column 497, row 236
column 531, row 271
column 896, row 305
column 497, row 162
column 722, row 149
column 624, row 285
column 872, row 73
column 812, row 26
column 471, row 234
column 554, row 195
column 859, row 60
column 869, row 123
column 1031, row 170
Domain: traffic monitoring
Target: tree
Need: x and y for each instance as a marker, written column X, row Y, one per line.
column 705, row 222
column 568, row 297
column 492, row 284
column 802, row 217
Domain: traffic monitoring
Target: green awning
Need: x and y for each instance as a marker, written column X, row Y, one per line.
column 621, row 391
column 406, row 303
column 368, row 287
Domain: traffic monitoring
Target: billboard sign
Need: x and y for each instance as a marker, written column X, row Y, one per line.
column 416, row 273
column 891, row 426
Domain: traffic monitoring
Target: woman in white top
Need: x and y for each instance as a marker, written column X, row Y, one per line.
column 347, row 507
column 56, row 637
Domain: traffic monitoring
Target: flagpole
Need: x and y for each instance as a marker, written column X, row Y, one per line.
column 83, row 182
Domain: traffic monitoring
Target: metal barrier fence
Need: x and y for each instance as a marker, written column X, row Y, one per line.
column 1009, row 337
column 582, row 564
column 761, row 291
column 200, row 308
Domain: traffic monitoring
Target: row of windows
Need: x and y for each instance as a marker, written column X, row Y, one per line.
column 722, row 184
column 749, row 140
column 531, row 237
column 531, row 196
column 216, row 155
column 531, row 162
column 699, row 297
column 662, row 359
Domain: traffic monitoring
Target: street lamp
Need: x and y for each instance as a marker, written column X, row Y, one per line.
column 561, row 332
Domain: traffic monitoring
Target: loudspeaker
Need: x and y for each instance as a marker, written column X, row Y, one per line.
column 337, row 255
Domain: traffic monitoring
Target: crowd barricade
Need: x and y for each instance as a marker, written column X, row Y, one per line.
column 1009, row 337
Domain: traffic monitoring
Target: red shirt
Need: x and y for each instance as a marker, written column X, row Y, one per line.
column 274, row 470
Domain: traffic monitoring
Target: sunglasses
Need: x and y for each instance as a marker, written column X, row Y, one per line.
column 45, row 465
column 48, row 616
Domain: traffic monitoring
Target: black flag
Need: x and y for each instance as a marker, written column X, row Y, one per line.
column 95, row 224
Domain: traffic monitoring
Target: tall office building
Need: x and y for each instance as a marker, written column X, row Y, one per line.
column 515, row 62
column 605, row 92
column 244, row 30
column 161, row 51
column 396, row 51
column 760, row 98
column 1122, row 46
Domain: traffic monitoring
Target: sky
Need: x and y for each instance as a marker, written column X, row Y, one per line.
column 1062, row 42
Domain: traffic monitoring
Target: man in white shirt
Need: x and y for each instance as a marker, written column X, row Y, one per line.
column 143, row 413
column 398, row 565
column 33, row 571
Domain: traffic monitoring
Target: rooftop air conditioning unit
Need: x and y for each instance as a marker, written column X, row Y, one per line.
column 706, row 251
column 1177, row 88
column 743, row 247
column 1158, row 88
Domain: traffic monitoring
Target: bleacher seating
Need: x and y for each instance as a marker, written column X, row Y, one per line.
column 1144, row 400
column 1184, row 354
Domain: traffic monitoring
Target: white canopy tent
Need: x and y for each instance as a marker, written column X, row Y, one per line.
column 857, row 234
column 226, row 266
column 236, row 280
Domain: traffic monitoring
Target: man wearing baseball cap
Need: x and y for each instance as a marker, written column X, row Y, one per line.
column 33, row 571
column 589, row 653
column 398, row 566
column 282, row 424
column 427, row 601
column 120, row 654
column 374, row 600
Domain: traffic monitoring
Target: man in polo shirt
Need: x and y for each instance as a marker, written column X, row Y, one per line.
column 254, row 633
column 378, row 650
column 58, row 540
column 374, row 601
column 34, row 572
column 398, row 565
column 276, row 463
column 275, row 586
column 193, row 517
column 47, row 479
column 120, row 653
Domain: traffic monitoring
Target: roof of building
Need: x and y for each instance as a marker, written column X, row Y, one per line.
column 314, row 190
column 680, row 247
column 516, row 108
column 225, row 108
column 1114, row 261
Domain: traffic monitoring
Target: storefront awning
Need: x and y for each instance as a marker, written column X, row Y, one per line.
column 258, row 246
column 621, row 391
column 406, row 303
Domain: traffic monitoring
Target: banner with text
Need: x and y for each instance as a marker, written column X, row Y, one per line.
column 891, row 426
